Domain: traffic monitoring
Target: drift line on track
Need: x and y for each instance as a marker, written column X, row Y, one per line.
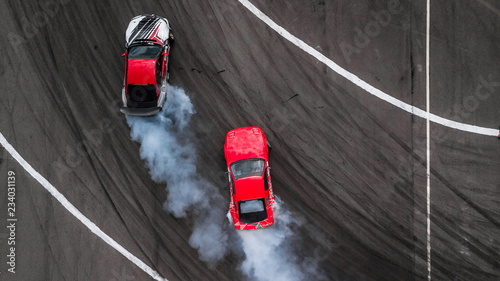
column 364, row 85
column 75, row 212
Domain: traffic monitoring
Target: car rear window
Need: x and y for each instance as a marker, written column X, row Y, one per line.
column 142, row 93
column 248, row 167
column 252, row 210
column 251, row 206
column 144, row 52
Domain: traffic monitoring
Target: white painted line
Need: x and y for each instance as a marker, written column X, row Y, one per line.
column 428, row 133
column 362, row 84
column 75, row 212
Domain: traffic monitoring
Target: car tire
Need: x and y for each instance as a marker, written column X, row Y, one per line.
column 269, row 145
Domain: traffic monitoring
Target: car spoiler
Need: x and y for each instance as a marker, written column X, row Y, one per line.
column 140, row 111
column 142, row 42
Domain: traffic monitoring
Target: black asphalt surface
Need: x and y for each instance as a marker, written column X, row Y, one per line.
column 351, row 166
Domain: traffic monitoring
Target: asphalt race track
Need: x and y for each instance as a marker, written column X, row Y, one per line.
column 349, row 166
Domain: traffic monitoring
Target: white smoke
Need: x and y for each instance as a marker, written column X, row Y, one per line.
column 270, row 255
column 170, row 155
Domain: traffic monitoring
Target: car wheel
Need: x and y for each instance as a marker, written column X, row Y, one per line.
column 268, row 145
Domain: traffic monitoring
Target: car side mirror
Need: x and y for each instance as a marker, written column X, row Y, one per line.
column 124, row 54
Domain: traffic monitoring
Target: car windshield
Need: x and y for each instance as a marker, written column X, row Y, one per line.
column 144, row 52
column 252, row 210
column 246, row 168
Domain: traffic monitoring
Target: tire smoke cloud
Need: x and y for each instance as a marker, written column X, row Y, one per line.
column 170, row 154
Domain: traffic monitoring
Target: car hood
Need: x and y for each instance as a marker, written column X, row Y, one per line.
column 150, row 27
column 141, row 72
column 245, row 143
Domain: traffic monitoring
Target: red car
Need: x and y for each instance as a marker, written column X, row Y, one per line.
column 252, row 201
column 148, row 40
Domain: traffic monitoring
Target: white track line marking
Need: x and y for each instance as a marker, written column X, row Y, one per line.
column 428, row 133
column 362, row 84
column 75, row 212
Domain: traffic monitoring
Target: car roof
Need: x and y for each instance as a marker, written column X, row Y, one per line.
column 245, row 143
column 141, row 72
